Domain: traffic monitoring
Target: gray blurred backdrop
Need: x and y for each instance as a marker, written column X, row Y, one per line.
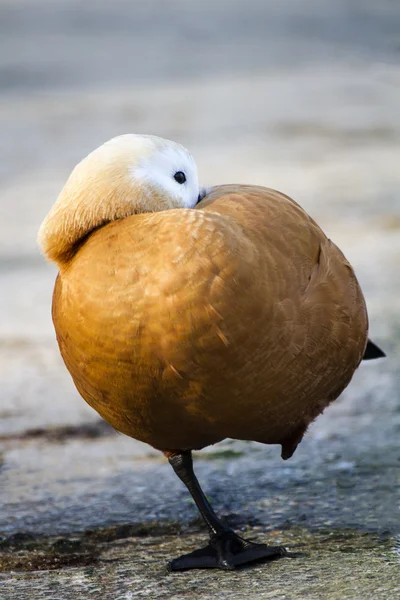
column 302, row 96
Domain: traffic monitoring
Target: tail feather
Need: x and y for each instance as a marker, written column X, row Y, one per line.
column 372, row 351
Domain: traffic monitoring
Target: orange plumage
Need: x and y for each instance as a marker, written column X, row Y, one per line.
column 236, row 319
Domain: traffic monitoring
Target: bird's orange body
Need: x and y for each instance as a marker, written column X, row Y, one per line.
column 238, row 318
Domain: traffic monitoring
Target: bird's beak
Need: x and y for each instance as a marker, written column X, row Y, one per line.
column 202, row 194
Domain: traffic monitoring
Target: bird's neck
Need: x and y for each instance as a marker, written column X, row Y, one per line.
column 80, row 211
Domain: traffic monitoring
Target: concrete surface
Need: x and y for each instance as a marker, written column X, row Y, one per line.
column 302, row 97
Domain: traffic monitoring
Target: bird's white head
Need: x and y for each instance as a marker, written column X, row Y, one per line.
column 127, row 175
column 167, row 168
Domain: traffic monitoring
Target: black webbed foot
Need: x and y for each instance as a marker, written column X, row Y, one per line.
column 226, row 551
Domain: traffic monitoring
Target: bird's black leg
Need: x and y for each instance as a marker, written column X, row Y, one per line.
column 226, row 550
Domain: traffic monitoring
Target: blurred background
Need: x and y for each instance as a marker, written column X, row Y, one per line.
column 302, row 96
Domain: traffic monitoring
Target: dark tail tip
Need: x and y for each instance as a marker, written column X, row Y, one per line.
column 372, row 351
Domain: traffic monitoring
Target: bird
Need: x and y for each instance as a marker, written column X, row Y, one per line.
column 188, row 315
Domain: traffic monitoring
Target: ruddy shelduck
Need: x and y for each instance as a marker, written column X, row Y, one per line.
column 187, row 317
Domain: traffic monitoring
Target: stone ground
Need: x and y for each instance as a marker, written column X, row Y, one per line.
column 303, row 97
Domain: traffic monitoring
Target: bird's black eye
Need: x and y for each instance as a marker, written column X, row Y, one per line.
column 180, row 177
